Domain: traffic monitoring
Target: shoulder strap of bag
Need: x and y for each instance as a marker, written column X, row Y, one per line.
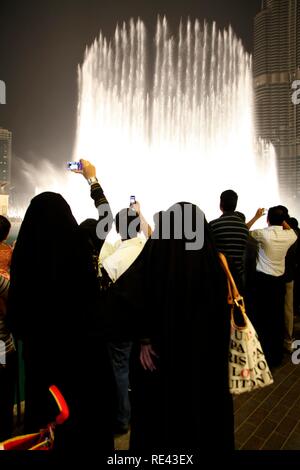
column 233, row 293
column 234, row 297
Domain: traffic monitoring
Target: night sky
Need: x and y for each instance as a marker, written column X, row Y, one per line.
column 42, row 42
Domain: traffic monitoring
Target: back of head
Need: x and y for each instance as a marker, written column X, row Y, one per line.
column 88, row 229
column 228, row 200
column 183, row 230
column 285, row 211
column 182, row 221
column 293, row 223
column 127, row 223
column 183, row 270
column 4, row 228
column 47, row 262
column 277, row 215
column 46, row 238
column 48, row 223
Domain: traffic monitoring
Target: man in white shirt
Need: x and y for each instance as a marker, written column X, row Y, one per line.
column 116, row 261
column 268, row 316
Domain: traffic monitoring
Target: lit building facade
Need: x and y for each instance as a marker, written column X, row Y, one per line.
column 276, row 68
column 5, row 168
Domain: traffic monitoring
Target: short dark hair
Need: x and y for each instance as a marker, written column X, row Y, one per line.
column 124, row 223
column 285, row 211
column 293, row 223
column 4, row 227
column 277, row 215
column 228, row 200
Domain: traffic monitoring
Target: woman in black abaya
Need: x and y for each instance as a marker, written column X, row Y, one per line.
column 179, row 380
column 53, row 308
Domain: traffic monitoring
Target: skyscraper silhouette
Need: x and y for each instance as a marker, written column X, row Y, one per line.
column 276, row 68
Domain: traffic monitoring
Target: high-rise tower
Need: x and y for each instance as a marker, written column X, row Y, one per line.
column 276, row 68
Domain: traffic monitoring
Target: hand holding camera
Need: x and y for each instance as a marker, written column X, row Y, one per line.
column 74, row 166
column 84, row 167
column 135, row 205
column 260, row 212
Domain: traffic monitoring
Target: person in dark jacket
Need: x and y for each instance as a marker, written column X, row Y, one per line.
column 295, row 226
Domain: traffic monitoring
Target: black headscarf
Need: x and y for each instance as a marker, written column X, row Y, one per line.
column 51, row 270
column 182, row 279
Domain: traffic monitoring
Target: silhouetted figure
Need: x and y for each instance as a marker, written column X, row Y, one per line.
column 181, row 384
column 121, row 305
column 295, row 226
column 55, row 309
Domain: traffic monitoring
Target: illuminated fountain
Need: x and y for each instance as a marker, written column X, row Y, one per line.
column 180, row 128
column 184, row 131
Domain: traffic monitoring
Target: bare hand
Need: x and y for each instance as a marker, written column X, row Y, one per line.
column 145, row 357
column 286, row 226
column 136, row 207
column 260, row 212
column 88, row 169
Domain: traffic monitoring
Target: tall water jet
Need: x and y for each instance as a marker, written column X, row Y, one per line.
column 179, row 129
column 167, row 120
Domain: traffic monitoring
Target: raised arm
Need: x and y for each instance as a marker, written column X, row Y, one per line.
column 259, row 213
column 145, row 227
column 105, row 219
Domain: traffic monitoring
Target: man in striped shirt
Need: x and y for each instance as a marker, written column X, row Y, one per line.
column 231, row 234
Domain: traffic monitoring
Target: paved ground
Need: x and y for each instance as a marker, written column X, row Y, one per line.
column 267, row 419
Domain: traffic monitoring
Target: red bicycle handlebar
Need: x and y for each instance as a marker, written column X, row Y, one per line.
column 62, row 405
column 42, row 440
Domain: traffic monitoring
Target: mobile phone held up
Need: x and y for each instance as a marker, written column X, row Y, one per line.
column 132, row 201
column 74, row 165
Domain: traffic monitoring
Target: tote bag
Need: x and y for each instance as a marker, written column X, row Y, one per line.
column 248, row 368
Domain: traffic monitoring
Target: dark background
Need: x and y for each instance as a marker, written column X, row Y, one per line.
column 42, row 42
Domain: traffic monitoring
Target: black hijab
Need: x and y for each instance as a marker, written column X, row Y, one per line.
column 182, row 277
